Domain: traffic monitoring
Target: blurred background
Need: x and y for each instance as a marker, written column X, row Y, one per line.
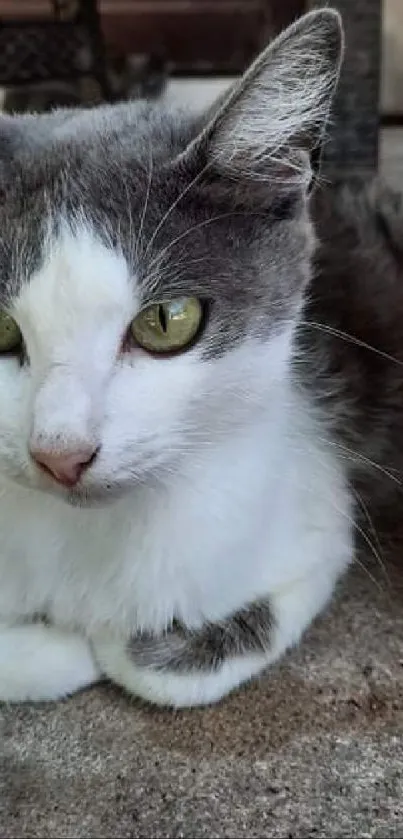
column 65, row 52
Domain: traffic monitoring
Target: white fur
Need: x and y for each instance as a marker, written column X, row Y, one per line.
column 39, row 662
column 293, row 610
column 216, row 489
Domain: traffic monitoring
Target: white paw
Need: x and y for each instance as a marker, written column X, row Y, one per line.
column 174, row 688
column 39, row 662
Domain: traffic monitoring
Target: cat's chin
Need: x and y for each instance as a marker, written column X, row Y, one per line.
column 91, row 498
column 103, row 495
column 83, row 496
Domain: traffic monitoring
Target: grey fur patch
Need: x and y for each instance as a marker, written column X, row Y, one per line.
column 154, row 185
column 180, row 649
column 180, row 234
column 349, row 345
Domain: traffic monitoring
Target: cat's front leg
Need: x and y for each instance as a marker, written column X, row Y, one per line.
column 185, row 667
column 40, row 662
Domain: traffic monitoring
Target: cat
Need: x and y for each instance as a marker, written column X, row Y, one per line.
column 200, row 382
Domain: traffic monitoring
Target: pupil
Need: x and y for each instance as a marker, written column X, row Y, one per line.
column 162, row 318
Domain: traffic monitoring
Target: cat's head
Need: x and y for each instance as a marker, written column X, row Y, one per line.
column 152, row 268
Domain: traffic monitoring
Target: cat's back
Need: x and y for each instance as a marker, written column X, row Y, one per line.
column 359, row 261
column 350, row 342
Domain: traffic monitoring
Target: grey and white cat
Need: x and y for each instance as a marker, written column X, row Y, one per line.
column 201, row 374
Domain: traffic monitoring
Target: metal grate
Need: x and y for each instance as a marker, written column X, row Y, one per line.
column 41, row 52
column 65, row 47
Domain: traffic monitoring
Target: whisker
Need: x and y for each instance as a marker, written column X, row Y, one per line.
column 130, row 220
column 159, row 272
column 338, row 333
column 378, row 553
column 358, row 455
column 175, row 204
column 368, row 542
column 189, row 230
column 145, row 205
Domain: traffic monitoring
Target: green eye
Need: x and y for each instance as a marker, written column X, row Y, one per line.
column 168, row 327
column 10, row 333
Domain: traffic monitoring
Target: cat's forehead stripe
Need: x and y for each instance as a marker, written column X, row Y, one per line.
column 79, row 281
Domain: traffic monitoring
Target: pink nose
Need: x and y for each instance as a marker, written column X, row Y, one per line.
column 65, row 468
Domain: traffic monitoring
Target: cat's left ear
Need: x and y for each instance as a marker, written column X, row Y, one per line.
column 271, row 125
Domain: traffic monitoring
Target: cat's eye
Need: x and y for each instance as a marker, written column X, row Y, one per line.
column 168, row 327
column 10, row 333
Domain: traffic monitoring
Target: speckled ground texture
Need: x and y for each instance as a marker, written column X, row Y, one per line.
column 315, row 749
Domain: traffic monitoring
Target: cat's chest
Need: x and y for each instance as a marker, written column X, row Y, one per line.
column 240, row 531
column 128, row 565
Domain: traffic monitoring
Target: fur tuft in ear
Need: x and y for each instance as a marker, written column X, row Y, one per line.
column 271, row 124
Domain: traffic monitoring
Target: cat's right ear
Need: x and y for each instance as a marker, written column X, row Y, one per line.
column 269, row 129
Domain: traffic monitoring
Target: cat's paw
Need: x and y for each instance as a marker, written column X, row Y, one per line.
column 180, row 688
column 39, row 662
column 185, row 667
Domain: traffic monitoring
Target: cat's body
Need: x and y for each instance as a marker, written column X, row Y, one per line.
column 196, row 554
column 217, row 505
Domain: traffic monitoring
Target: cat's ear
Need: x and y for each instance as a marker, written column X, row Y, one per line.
column 270, row 126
